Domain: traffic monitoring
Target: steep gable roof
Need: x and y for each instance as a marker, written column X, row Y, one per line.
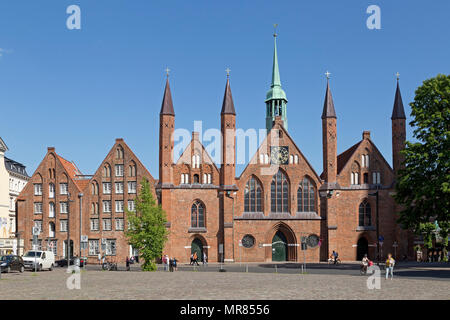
column 196, row 144
column 277, row 126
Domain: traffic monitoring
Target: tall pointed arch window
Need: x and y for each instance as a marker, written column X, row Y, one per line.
column 253, row 196
column 306, row 196
column 279, row 193
column 365, row 214
column 197, row 215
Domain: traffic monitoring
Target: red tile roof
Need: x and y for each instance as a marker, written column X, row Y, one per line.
column 343, row 158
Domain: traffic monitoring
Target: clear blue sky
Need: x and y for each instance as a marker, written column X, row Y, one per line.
column 78, row 90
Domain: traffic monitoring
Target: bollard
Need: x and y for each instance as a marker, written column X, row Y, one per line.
column 276, row 269
column 246, row 268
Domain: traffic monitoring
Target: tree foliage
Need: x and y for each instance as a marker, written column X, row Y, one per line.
column 423, row 186
column 147, row 227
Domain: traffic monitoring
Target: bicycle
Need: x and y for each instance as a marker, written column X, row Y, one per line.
column 110, row 266
column 331, row 261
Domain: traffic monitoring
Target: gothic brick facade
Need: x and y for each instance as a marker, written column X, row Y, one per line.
column 278, row 201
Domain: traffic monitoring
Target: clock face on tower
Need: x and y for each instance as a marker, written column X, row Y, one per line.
column 279, row 155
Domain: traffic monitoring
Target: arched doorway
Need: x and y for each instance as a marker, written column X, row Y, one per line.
column 362, row 248
column 279, row 247
column 197, row 246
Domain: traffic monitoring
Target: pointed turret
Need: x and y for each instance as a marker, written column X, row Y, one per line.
column 398, row 120
column 398, row 111
column 276, row 97
column 329, row 138
column 167, row 105
column 228, row 104
column 328, row 105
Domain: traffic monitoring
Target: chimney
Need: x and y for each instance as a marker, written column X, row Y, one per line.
column 51, row 149
column 366, row 135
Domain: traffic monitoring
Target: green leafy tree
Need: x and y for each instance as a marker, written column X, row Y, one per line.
column 423, row 186
column 147, row 227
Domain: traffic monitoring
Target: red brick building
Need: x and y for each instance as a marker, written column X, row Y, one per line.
column 277, row 202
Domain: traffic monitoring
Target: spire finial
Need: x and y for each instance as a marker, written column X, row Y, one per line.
column 327, row 74
column 167, row 71
column 228, row 72
column 275, row 25
column 397, row 75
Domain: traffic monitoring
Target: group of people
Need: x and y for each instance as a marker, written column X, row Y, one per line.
column 390, row 262
column 169, row 264
column 194, row 259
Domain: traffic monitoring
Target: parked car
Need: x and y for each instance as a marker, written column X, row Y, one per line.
column 11, row 262
column 73, row 261
column 42, row 259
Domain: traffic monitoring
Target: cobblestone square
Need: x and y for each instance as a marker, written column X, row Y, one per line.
column 197, row 285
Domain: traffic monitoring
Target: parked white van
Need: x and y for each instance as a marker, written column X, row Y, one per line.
column 43, row 260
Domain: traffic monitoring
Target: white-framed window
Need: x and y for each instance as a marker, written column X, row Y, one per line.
column 376, row 178
column 64, row 188
column 94, row 248
column 365, row 160
column 291, row 159
column 38, row 224
column 119, row 170
column 132, row 187
column 119, row 187
column 119, row 224
column 106, row 187
column 94, row 224
column 38, row 207
column 131, row 205
column 63, row 225
column 63, row 207
column 355, row 178
column 106, row 224
column 110, row 247
column 53, row 246
column 107, row 206
column 51, row 210
column 296, row 159
column 119, row 205
column 51, row 190
column 38, row 189
column 184, row 178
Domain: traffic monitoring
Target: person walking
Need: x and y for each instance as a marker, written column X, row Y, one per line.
column 165, row 261
column 195, row 257
column 171, row 265
column 390, row 262
column 127, row 263
column 175, row 264
column 192, row 259
column 205, row 261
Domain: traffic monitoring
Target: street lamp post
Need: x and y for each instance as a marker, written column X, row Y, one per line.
column 378, row 226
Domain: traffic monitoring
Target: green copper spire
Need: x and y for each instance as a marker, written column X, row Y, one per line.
column 275, row 70
column 276, row 97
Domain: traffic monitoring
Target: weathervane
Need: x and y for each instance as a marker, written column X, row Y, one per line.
column 397, row 75
column 327, row 74
column 228, row 72
column 275, row 30
column 167, row 71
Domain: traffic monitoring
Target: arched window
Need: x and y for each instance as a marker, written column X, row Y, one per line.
column 196, row 178
column 51, row 190
column 51, row 230
column 279, row 193
column 94, row 188
column 365, row 214
column 132, row 170
column 306, row 196
column 252, row 196
column 106, row 171
column 51, row 210
column 119, row 152
column 197, row 215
